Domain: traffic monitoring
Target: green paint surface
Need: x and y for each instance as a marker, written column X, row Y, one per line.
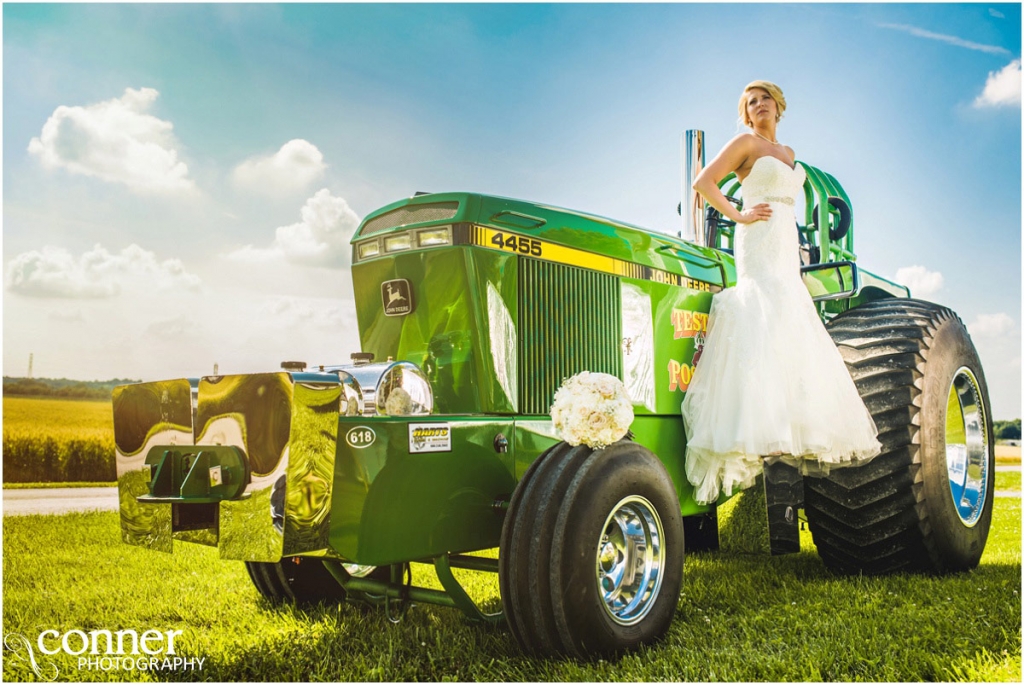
column 390, row 505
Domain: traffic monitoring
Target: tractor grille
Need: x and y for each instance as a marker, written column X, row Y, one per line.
column 411, row 214
column 569, row 321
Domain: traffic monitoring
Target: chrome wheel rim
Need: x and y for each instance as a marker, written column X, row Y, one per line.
column 630, row 556
column 966, row 447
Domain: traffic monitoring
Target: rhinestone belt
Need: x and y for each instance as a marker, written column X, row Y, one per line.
column 784, row 200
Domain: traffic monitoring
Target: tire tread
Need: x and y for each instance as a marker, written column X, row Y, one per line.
column 873, row 519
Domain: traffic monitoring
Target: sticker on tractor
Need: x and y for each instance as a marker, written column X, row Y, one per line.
column 397, row 297
column 430, row 437
column 687, row 324
column 360, row 437
column 679, row 375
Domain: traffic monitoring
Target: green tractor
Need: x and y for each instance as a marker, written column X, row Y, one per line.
column 435, row 442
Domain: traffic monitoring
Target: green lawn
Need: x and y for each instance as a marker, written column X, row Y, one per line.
column 741, row 617
column 1008, row 480
column 79, row 484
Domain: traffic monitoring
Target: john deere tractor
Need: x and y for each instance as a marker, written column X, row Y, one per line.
column 435, row 442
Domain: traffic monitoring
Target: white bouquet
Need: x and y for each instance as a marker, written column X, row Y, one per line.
column 593, row 409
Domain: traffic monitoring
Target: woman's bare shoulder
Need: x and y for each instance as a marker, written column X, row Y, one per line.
column 740, row 147
column 744, row 140
column 790, row 151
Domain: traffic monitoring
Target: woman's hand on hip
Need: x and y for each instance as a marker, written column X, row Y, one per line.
column 761, row 212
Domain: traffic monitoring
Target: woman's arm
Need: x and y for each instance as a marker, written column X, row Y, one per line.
column 731, row 158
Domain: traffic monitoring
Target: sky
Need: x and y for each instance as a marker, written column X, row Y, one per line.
column 180, row 182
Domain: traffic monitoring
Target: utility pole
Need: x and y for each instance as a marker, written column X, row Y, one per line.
column 30, row 365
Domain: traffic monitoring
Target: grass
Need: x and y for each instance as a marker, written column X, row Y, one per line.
column 1008, row 480
column 741, row 617
column 77, row 484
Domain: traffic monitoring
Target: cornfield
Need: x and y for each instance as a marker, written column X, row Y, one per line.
column 50, row 440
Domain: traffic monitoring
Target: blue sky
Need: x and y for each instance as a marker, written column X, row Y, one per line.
column 253, row 138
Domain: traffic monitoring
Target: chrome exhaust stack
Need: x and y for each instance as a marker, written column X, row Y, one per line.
column 692, row 207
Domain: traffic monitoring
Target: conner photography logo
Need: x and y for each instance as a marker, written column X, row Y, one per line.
column 99, row 650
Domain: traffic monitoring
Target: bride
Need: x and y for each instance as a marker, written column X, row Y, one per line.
column 770, row 382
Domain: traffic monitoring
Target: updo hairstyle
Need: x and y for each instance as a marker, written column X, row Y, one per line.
column 773, row 90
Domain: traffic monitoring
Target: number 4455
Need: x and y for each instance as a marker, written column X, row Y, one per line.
column 519, row 244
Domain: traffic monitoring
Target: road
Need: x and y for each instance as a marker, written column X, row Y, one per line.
column 58, row 500
column 64, row 500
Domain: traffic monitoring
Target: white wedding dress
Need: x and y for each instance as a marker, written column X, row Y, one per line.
column 770, row 381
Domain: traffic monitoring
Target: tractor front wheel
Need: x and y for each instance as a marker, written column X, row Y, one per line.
column 925, row 503
column 591, row 559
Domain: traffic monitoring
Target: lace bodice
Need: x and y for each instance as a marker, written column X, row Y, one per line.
column 769, row 250
column 769, row 178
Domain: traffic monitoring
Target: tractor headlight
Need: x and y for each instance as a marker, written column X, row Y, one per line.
column 397, row 243
column 403, row 390
column 385, row 388
column 434, row 236
column 351, row 394
column 370, row 248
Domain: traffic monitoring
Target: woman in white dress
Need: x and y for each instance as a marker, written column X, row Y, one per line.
column 770, row 382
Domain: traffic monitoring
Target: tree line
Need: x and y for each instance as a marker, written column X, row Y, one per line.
column 62, row 387
column 1006, row 430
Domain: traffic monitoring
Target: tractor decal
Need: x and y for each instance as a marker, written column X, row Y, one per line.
column 689, row 324
column 508, row 241
column 360, row 437
column 397, row 297
column 430, row 437
column 679, row 375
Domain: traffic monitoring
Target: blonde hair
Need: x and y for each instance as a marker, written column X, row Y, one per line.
column 773, row 91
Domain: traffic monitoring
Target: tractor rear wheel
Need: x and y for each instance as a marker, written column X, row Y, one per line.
column 303, row 580
column 925, row 503
column 591, row 557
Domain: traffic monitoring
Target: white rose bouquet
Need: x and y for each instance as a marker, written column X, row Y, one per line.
column 593, row 409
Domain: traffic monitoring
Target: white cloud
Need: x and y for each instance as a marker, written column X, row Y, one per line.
column 67, row 316
column 952, row 40
column 55, row 272
column 996, row 13
column 991, row 325
column 165, row 329
column 922, row 282
column 293, row 310
column 1002, row 88
column 320, row 239
column 115, row 140
column 294, row 167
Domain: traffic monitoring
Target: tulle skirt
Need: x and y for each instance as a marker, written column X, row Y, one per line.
column 770, row 383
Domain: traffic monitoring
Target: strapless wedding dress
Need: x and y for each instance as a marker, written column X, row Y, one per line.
column 770, row 381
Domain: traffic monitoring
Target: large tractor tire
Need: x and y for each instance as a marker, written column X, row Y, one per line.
column 303, row 580
column 925, row 503
column 591, row 558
